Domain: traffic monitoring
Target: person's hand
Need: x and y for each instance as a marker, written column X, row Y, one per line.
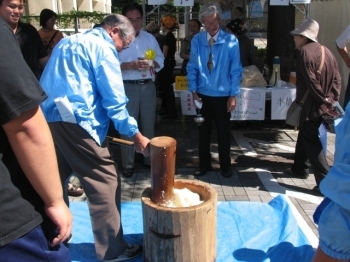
column 141, row 144
column 231, row 104
column 195, row 97
column 61, row 216
column 143, row 64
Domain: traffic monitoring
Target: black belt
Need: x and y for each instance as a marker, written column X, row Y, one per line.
column 138, row 82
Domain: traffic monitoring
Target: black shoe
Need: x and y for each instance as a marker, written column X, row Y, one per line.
column 226, row 173
column 202, row 171
column 132, row 251
column 290, row 172
column 128, row 172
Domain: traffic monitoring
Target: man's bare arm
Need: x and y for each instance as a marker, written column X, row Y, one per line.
column 344, row 55
column 141, row 144
column 31, row 141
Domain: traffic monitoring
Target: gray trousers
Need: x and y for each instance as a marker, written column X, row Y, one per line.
column 77, row 152
column 141, row 106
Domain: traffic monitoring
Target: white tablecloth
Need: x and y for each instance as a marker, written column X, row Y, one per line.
column 251, row 102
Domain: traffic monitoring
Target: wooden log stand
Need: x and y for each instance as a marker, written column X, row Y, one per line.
column 183, row 234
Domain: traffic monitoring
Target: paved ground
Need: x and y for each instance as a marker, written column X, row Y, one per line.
column 260, row 151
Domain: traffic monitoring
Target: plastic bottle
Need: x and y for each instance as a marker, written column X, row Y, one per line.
column 276, row 67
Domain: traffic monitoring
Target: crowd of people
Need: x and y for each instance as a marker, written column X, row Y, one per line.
column 56, row 114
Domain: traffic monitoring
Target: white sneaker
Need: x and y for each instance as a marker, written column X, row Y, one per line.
column 132, row 251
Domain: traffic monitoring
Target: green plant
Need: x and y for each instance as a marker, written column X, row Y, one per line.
column 69, row 19
column 26, row 19
column 262, row 54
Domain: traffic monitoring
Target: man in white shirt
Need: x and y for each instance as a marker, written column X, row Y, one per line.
column 341, row 43
column 138, row 76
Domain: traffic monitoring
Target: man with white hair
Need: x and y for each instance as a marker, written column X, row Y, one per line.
column 85, row 90
column 214, row 75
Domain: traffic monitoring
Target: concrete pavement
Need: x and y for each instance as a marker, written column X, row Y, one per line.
column 260, row 152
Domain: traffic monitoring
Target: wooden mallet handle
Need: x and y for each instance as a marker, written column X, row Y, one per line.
column 120, row 141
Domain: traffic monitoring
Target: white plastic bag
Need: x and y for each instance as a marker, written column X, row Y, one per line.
column 252, row 77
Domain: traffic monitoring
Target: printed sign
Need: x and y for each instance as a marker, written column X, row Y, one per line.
column 187, row 106
column 256, row 8
column 250, row 104
column 281, row 99
column 181, row 83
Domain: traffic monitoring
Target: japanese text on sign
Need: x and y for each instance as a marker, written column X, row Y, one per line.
column 250, row 104
column 181, row 83
column 281, row 100
column 187, row 106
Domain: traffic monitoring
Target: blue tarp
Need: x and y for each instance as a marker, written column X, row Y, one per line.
column 246, row 231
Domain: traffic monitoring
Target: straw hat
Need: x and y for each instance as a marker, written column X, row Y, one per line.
column 308, row 28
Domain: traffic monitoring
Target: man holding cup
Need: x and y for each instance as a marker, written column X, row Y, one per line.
column 138, row 64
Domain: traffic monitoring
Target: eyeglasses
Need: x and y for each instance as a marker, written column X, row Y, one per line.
column 135, row 21
column 125, row 44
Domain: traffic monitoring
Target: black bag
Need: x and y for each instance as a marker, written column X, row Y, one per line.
column 294, row 111
column 332, row 114
column 293, row 114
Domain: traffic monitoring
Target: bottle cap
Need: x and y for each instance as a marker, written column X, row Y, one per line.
column 276, row 60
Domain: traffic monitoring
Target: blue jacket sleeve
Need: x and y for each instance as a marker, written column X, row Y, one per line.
column 336, row 185
column 193, row 64
column 109, row 83
column 235, row 68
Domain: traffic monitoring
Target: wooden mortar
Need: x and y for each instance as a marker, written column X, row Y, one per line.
column 180, row 234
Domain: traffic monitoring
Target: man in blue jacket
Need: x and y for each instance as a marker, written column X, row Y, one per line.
column 214, row 75
column 85, row 90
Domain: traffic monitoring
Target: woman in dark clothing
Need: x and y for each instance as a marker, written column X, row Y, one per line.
column 195, row 27
column 248, row 52
column 324, row 89
column 165, row 75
